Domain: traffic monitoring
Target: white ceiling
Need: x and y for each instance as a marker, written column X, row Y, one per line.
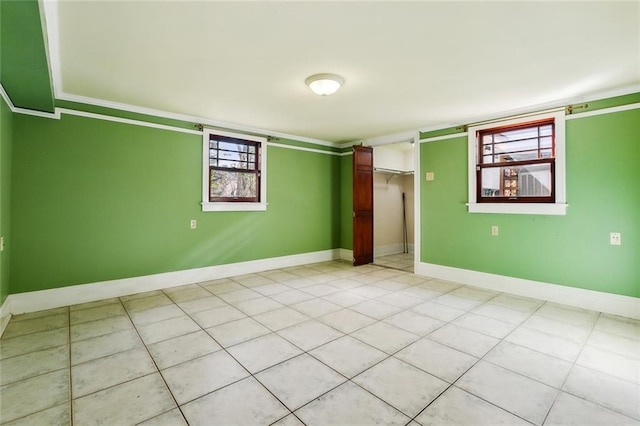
column 407, row 65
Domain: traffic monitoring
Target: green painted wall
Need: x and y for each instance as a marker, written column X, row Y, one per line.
column 6, row 124
column 603, row 173
column 346, row 202
column 24, row 70
column 96, row 200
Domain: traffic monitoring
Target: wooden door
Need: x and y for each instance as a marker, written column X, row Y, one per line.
column 362, row 205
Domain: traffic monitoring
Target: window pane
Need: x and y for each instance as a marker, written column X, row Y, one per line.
column 491, row 182
column 535, row 180
column 233, row 184
column 546, row 130
column 517, row 144
column 522, row 181
column 234, row 164
column 233, row 155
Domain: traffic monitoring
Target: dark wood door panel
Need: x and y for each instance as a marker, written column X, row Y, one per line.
column 362, row 205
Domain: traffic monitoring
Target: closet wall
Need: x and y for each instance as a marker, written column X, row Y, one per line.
column 393, row 176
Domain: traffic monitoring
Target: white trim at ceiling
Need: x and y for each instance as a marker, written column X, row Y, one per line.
column 301, row 148
column 444, row 137
column 628, row 90
column 55, row 115
column 192, row 119
column 408, row 136
column 603, row 111
column 127, row 121
column 49, row 11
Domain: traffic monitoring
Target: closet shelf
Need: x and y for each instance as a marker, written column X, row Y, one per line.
column 393, row 172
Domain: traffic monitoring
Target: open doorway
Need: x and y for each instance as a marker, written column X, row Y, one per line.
column 393, row 200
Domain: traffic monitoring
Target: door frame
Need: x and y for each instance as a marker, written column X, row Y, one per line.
column 411, row 136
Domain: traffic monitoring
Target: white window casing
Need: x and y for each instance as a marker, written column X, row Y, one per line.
column 208, row 206
column 559, row 207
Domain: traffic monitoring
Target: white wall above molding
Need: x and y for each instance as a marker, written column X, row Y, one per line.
column 609, row 303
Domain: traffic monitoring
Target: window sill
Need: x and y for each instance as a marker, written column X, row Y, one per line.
column 557, row 209
column 233, row 207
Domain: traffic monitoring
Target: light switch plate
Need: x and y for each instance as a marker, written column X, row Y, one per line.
column 430, row 176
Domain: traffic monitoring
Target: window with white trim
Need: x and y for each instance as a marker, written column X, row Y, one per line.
column 233, row 172
column 518, row 166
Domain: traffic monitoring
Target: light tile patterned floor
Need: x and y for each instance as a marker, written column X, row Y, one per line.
column 402, row 261
column 320, row 344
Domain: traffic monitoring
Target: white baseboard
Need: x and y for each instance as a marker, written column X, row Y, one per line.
column 346, row 255
column 20, row 303
column 616, row 304
column 5, row 314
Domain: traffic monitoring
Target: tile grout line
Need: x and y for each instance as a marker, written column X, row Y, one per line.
column 230, row 355
column 146, row 348
column 573, row 364
column 306, row 352
column 452, row 384
column 299, row 355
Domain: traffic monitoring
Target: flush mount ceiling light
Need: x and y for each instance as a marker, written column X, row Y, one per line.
column 324, row 84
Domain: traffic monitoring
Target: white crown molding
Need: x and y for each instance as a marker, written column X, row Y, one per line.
column 59, row 111
column 42, row 6
column 189, row 118
column 602, row 111
column 302, row 148
column 50, row 24
column 126, row 121
column 444, row 137
column 534, row 109
column 609, row 303
column 408, row 136
column 55, row 115
column 33, row 301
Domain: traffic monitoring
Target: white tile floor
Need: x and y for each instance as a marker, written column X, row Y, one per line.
column 402, row 261
column 321, row 344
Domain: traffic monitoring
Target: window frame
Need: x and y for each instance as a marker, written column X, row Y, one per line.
column 231, row 205
column 481, row 165
column 551, row 206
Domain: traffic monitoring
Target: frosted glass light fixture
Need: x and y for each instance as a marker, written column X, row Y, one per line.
column 324, row 84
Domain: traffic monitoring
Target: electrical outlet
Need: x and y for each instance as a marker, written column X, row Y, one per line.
column 615, row 239
column 430, row 176
column 1, row 243
column 194, row 224
column 494, row 230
